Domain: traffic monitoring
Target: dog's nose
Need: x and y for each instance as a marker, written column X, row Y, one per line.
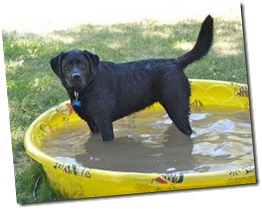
column 76, row 76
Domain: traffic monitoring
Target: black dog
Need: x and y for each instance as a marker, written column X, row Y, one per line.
column 102, row 92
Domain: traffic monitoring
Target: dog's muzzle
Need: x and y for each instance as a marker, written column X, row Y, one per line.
column 76, row 82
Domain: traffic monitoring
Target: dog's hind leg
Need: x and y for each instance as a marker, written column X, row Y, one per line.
column 174, row 93
column 175, row 100
column 180, row 116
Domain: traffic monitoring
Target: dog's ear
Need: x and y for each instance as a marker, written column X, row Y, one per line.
column 56, row 64
column 93, row 60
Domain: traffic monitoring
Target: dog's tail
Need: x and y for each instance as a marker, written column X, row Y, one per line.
column 202, row 46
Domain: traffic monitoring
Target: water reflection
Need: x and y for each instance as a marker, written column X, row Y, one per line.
column 148, row 155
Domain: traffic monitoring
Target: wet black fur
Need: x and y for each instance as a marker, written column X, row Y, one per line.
column 109, row 91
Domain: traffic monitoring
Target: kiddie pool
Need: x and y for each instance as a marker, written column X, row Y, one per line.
column 76, row 182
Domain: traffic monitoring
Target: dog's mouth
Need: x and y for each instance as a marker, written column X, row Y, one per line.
column 77, row 86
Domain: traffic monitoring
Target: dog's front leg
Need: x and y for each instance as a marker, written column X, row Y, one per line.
column 93, row 127
column 91, row 124
column 106, row 128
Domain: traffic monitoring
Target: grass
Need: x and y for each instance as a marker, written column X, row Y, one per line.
column 33, row 87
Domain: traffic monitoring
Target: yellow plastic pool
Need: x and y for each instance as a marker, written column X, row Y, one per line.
column 82, row 182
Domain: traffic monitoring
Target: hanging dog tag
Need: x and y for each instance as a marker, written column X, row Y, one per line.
column 76, row 103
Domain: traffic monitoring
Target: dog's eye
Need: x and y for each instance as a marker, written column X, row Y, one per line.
column 80, row 64
column 66, row 67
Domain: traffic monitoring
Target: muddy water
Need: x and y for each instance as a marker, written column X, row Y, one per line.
column 149, row 142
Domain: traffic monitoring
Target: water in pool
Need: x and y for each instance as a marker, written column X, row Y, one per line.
column 148, row 142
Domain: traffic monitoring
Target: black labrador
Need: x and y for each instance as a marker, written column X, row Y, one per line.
column 102, row 91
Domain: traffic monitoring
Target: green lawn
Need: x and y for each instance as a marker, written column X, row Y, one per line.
column 33, row 87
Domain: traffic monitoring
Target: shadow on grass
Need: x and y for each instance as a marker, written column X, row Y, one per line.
column 33, row 87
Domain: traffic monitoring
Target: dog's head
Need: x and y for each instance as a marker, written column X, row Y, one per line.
column 75, row 68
